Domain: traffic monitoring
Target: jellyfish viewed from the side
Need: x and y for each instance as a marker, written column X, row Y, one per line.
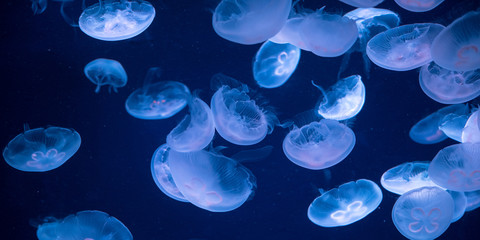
column 460, row 201
column 346, row 204
column 418, row 5
column 290, row 33
column 41, row 149
column 39, row 6
column 362, row 3
column 102, row 71
column 473, row 200
column 407, row 176
column 471, row 131
column 452, row 125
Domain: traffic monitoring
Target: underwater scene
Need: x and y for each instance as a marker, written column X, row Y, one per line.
column 240, row 119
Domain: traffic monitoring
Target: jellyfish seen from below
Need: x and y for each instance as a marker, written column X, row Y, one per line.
column 114, row 20
column 274, row 64
column 452, row 125
column 39, row 6
column 471, row 131
column 344, row 100
column 85, row 225
column 157, row 100
column 319, row 145
column 195, row 131
column 250, row 21
column 362, row 3
column 403, row 48
column 346, row 204
column 103, row 71
column 406, row 177
column 418, row 5
column 41, row 149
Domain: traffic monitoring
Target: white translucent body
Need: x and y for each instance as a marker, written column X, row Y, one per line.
column 103, row 71
column 452, row 125
column 471, row 131
column 460, row 201
column 290, row 33
column 406, row 177
column 418, row 5
column 362, row 3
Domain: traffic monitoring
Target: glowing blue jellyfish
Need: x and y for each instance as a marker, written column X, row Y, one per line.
column 41, row 149
column 473, row 200
column 418, row 5
column 452, row 125
column 362, row 3
column 114, row 20
column 250, row 21
column 423, row 213
column 471, row 131
column 85, row 225
column 290, row 33
column 275, row 63
column 319, row 145
column 195, row 131
column 344, row 100
column 403, row 48
column 157, row 100
column 457, row 167
column 103, row 71
column 460, row 201
column 407, row 176
column 346, row 204
column 39, row 6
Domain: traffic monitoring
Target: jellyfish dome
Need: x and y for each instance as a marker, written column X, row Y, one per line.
column 418, row 5
column 319, row 145
column 453, row 124
column 290, row 33
column 423, row 213
column 471, row 131
column 460, row 201
column 103, row 71
column 274, row 64
column 407, row 176
column 250, row 21
column 41, row 149
column 85, row 225
column 346, row 204
column 403, row 48
column 362, row 3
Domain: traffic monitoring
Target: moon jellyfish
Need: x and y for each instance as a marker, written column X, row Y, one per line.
column 471, row 131
column 346, row 204
column 319, row 145
column 403, row 48
column 250, row 21
column 452, row 125
column 344, row 100
column 418, row 5
column 406, row 177
column 460, row 201
column 457, row 47
column 103, row 71
column 423, row 213
column 195, row 131
column 290, row 32
column 41, row 149
column 457, row 167
column 114, row 20
column 473, row 200
column 362, row 3
column 38, row 6
column 157, row 100
column 275, row 63
column 85, row 225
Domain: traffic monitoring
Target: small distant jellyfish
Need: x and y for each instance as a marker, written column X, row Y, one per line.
column 39, row 6
column 418, row 5
column 250, row 21
column 471, row 131
column 114, row 20
column 346, row 204
column 41, row 149
column 102, row 71
column 362, row 3
column 406, row 177
column 403, row 48
column 423, row 213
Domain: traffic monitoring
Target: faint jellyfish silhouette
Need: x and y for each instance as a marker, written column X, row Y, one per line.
column 41, row 149
column 157, row 100
column 423, row 213
column 452, row 125
column 85, row 225
column 114, row 20
column 460, row 201
column 418, row 5
column 102, row 71
column 407, row 176
column 403, row 48
column 38, row 6
column 250, row 21
column 471, row 131
column 346, row 204
column 274, row 64
column 362, row 3
column 473, row 200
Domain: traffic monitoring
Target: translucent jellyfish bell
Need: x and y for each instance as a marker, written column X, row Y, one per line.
column 114, row 20
column 290, row 32
column 473, row 200
column 471, row 131
column 407, row 176
column 103, row 71
column 418, row 5
column 452, row 125
column 460, row 201
column 362, row 3
column 346, row 204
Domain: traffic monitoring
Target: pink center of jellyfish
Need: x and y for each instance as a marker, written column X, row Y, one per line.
column 424, row 219
column 458, row 176
column 465, row 53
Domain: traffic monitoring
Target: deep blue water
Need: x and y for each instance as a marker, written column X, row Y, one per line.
column 42, row 84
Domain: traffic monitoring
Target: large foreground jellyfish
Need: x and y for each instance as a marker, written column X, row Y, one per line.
column 250, row 21
column 362, row 3
column 423, row 213
column 346, row 204
column 85, row 225
column 418, row 5
column 103, row 71
column 471, row 131
column 41, row 149
column 407, row 176
column 157, row 100
column 274, row 64
column 319, row 145
column 114, row 20
column 403, row 48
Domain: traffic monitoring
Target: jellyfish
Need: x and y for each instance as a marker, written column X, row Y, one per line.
column 85, row 225
column 195, row 131
column 319, row 145
column 41, row 149
column 418, row 5
column 39, row 6
column 471, row 131
column 423, row 213
column 158, row 100
column 290, row 32
column 102, row 71
column 362, row 3
column 274, row 64
column 114, row 20
column 341, row 206
column 473, row 200
column 403, row 48
column 452, row 125
column 457, row 47
column 460, row 201
column 250, row 21
column 457, row 167
column 344, row 100
column 407, row 176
